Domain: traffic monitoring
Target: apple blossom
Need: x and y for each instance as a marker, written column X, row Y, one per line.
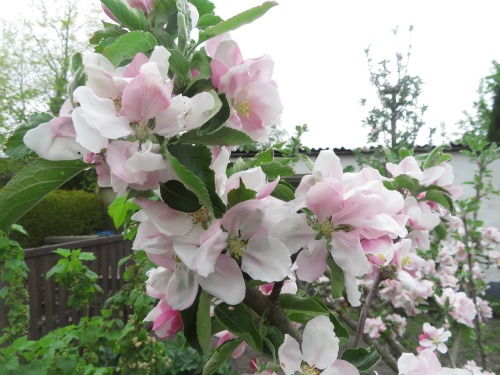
column 433, row 338
column 318, row 351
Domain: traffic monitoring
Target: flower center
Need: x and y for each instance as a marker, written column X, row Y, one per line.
column 236, row 247
column 243, row 109
column 326, row 228
column 309, row 370
column 201, row 216
column 406, row 261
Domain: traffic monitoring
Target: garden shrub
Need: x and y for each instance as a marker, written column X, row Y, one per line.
column 8, row 168
column 62, row 213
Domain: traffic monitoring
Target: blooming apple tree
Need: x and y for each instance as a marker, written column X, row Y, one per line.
column 156, row 109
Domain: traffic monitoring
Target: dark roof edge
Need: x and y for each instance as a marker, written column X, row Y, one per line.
column 345, row 151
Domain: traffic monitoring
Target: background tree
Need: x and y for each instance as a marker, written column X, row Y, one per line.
column 35, row 58
column 484, row 121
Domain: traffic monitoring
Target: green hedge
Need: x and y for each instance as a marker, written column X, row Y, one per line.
column 62, row 213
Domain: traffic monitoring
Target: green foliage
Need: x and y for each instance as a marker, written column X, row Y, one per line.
column 482, row 123
column 13, row 294
column 63, row 213
column 126, row 46
column 31, row 185
column 8, row 169
column 71, row 273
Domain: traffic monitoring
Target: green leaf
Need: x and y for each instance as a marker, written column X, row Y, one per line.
column 125, row 47
column 430, row 160
column 178, row 197
column 15, row 147
column 201, row 63
column 131, row 18
column 284, row 191
column 441, row 231
column 241, row 194
column 236, row 22
column 190, row 321
column 336, row 279
column 191, row 163
column 120, row 209
column 407, row 182
column 340, row 330
column 87, row 256
column 221, row 115
column 65, row 253
column 440, row 198
column 197, row 86
column 208, row 20
column 31, row 185
column 307, row 161
column 302, row 309
column 239, row 321
column 203, row 324
column 363, row 359
column 221, row 356
column 275, row 169
column 111, row 31
column 222, row 137
column 203, row 6
column 178, row 63
column 76, row 62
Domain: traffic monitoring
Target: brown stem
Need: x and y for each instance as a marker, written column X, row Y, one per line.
column 387, row 357
column 262, row 304
column 473, row 296
column 366, row 307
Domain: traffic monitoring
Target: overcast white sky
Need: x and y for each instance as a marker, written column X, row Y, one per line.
column 320, row 65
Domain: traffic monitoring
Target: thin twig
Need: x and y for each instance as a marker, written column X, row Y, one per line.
column 366, row 307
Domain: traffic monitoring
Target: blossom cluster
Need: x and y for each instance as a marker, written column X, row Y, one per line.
column 218, row 228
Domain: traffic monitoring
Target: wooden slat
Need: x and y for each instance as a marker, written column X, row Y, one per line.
column 48, row 303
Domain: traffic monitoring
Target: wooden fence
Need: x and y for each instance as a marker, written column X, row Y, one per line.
column 48, row 303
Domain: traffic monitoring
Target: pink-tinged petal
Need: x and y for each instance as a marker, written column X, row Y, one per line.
column 245, row 218
column 101, row 76
column 327, row 165
column 168, row 221
column 212, row 242
column 167, row 322
column 261, row 69
column 168, row 122
column 340, row 367
column 199, row 111
column 144, row 97
column 145, row 5
column 260, row 108
column 320, row 346
column 363, row 177
column 294, row 232
column 147, row 159
column 219, row 69
column 234, row 82
column 158, row 279
column 96, row 121
column 381, row 225
column 351, row 289
column 267, row 189
column 325, row 198
column 134, row 68
column 253, row 178
column 160, row 56
column 348, row 253
column 266, row 259
column 228, row 52
column 311, row 262
column 213, row 43
column 226, row 282
column 289, row 355
column 227, row 336
column 182, row 288
column 220, row 160
column 55, row 140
